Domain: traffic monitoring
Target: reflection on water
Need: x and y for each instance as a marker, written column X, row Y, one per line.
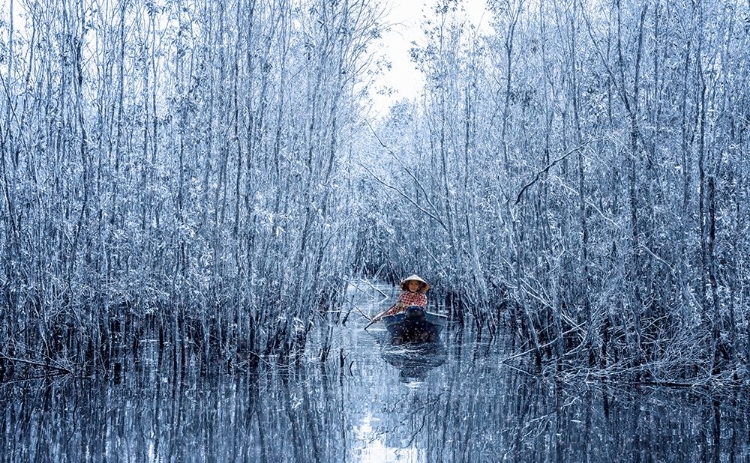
column 451, row 401
column 414, row 361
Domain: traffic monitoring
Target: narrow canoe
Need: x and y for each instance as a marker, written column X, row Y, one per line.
column 415, row 325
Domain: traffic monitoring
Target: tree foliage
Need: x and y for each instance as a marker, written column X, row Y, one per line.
column 581, row 169
column 178, row 166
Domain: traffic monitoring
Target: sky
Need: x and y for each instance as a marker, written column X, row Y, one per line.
column 406, row 17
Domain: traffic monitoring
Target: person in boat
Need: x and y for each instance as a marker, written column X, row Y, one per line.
column 413, row 293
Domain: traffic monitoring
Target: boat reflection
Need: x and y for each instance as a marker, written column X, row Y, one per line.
column 414, row 361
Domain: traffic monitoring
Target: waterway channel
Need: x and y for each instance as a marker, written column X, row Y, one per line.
column 463, row 400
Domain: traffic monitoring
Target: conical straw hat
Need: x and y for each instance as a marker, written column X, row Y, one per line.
column 415, row 277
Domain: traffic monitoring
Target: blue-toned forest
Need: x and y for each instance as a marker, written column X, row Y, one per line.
column 206, row 172
column 201, row 209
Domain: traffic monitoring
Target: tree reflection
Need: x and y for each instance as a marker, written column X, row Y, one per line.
column 444, row 402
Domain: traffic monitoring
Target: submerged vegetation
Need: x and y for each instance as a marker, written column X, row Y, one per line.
column 202, row 171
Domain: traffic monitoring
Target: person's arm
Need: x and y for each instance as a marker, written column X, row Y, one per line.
column 394, row 309
column 398, row 306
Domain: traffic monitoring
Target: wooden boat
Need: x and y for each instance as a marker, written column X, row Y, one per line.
column 415, row 325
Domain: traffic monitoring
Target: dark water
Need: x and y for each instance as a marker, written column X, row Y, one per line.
column 371, row 402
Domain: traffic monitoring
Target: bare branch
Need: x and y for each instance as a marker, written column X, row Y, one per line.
column 406, row 197
column 544, row 171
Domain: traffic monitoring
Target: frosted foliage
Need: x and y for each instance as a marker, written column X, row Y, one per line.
column 572, row 173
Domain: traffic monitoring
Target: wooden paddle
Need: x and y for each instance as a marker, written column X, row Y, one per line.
column 377, row 317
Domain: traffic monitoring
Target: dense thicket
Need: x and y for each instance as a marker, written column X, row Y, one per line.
column 196, row 169
column 176, row 166
column 583, row 169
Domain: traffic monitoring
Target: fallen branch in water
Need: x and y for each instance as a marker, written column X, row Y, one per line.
column 361, row 313
column 39, row 364
column 372, row 286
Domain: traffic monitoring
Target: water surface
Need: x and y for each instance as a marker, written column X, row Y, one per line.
column 462, row 400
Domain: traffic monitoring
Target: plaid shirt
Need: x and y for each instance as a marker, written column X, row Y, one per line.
column 407, row 299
